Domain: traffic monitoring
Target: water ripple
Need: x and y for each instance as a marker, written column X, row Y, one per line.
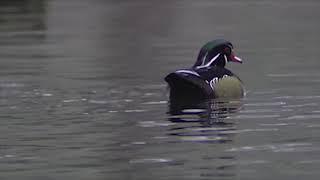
column 135, row 110
column 256, row 116
column 296, row 97
column 314, row 126
column 266, row 104
column 289, row 75
column 155, row 102
column 150, row 160
column 11, row 85
column 309, row 162
column 153, row 124
column 277, row 124
column 300, row 105
column 256, row 130
column 203, row 138
column 253, row 162
column 289, row 147
column 300, row 117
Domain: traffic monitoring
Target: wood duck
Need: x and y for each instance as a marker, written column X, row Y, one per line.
column 207, row 78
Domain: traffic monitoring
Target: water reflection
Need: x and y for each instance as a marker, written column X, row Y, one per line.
column 22, row 15
column 22, row 38
column 206, row 121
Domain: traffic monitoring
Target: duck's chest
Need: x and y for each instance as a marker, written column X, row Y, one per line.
column 222, row 82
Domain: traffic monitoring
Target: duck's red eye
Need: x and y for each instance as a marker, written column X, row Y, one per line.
column 227, row 51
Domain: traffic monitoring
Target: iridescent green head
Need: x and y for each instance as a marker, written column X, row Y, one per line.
column 216, row 53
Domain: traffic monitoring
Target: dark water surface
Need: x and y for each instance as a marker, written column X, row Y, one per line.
column 82, row 94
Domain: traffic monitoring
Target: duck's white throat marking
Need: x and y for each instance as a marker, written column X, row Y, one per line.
column 209, row 63
column 204, row 59
column 225, row 58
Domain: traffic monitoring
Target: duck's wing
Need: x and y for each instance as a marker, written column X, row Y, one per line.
column 187, row 82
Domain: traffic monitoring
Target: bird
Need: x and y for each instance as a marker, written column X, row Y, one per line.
column 208, row 78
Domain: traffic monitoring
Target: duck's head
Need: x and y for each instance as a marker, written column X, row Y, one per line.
column 216, row 53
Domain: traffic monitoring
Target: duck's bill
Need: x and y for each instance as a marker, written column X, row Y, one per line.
column 235, row 58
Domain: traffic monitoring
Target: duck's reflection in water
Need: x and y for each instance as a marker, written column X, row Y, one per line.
column 206, row 125
column 206, row 121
